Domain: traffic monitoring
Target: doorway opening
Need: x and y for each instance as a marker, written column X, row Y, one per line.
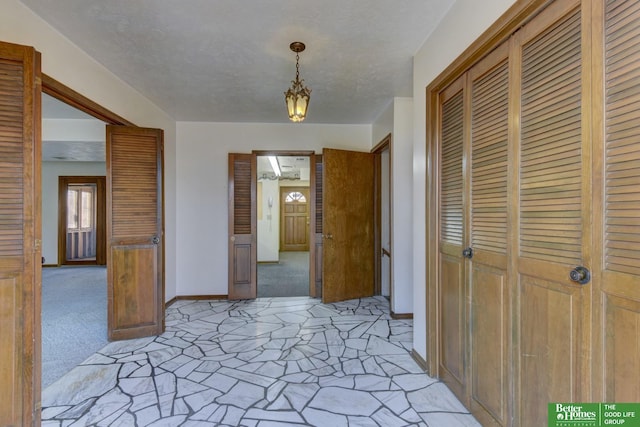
column 74, row 282
column 283, row 225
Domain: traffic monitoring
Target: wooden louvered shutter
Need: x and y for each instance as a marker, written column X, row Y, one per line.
column 242, row 226
column 553, row 182
column 20, row 234
column 620, row 261
column 135, row 232
column 315, row 266
column 452, row 289
column 489, row 350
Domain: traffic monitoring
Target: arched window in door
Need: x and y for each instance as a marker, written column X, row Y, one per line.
column 295, row 196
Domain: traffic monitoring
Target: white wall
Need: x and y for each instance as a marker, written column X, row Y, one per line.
column 402, row 203
column 66, row 63
column 202, row 187
column 269, row 224
column 464, row 23
column 50, row 173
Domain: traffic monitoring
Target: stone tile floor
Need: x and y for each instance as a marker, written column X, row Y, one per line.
column 265, row 362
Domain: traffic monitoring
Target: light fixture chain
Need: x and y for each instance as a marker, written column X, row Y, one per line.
column 297, row 67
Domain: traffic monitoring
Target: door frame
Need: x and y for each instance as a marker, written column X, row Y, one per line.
column 384, row 144
column 283, row 233
column 312, row 205
column 101, row 218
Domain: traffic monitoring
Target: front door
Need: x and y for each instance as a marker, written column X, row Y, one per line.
column 294, row 224
column 135, row 229
column 348, row 225
column 20, row 235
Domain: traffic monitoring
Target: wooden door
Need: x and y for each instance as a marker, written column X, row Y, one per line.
column 315, row 249
column 554, row 214
column 20, row 235
column 294, row 219
column 487, row 212
column 348, row 225
column 243, row 253
column 453, row 294
column 135, row 232
column 618, row 192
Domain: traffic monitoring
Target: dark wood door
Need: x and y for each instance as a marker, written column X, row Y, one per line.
column 135, row 232
column 554, row 211
column 20, row 235
column 487, row 212
column 348, row 225
column 315, row 248
column 453, row 292
column 294, row 223
column 242, row 226
column 618, row 241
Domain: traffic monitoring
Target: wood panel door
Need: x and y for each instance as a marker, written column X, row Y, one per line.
column 135, row 232
column 348, row 225
column 554, row 212
column 294, row 218
column 315, row 249
column 452, row 290
column 618, row 192
column 243, row 236
column 487, row 210
column 20, row 235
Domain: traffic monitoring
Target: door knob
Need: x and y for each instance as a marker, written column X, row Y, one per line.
column 580, row 275
column 467, row 253
column 328, row 236
column 155, row 240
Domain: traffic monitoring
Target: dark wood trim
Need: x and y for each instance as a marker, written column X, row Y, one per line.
column 283, row 153
column 420, row 361
column 379, row 148
column 400, row 316
column 58, row 90
column 50, row 266
column 508, row 23
column 101, row 218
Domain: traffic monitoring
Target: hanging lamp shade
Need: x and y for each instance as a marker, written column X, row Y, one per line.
column 297, row 96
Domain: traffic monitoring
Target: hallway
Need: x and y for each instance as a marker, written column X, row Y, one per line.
column 266, row 362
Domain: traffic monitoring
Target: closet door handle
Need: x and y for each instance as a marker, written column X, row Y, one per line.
column 580, row 275
column 467, row 253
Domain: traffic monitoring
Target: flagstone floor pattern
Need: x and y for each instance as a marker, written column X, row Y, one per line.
column 267, row 362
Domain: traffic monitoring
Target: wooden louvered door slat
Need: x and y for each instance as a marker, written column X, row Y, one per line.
column 487, row 270
column 619, row 247
column 242, row 227
column 315, row 249
column 553, row 214
column 453, row 296
column 135, row 232
column 20, row 234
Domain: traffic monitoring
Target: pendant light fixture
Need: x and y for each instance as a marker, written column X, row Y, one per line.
column 297, row 97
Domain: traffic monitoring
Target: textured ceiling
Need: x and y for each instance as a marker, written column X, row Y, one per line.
column 229, row 60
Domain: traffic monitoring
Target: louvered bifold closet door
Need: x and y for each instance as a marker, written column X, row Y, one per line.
column 452, row 301
column 242, row 226
column 621, row 240
column 315, row 262
column 20, row 234
column 553, row 214
column 135, row 232
column 489, row 294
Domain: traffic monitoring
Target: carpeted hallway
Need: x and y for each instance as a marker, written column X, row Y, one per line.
column 74, row 318
column 287, row 278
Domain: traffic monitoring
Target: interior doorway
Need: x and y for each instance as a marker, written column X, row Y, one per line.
column 283, row 221
column 74, row 284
